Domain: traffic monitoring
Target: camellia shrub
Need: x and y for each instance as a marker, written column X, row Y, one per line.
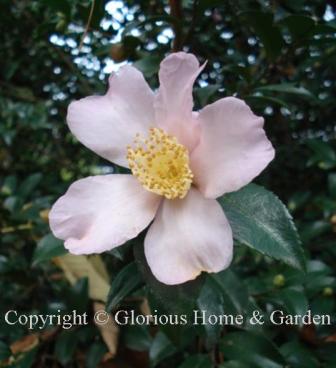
column 168, row 184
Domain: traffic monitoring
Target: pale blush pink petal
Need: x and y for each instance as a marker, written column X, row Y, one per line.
column 188, row 236
column 107, row 124
column 99, row 213
column 233, row 148
column 174, row 100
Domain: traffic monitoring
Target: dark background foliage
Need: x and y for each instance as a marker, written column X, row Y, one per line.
column 280, row 57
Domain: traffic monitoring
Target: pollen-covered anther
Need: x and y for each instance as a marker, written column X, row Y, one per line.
column 161, row 164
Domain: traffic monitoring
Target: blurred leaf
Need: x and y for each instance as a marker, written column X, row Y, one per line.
column 260, row 220
column 77, row 267
column 161, row 349
column 123, row 284
column 254, row 349
column 265, row 101
column 47, row 248
column 65, row 346
column 298, row 356
column 314, row 229
column 205, row 93
column 29, row 184
column 78, row 296
column 148, row 65
column 9, row 185
column 269, row 34
column 108, row 330
column 95, row 354
column 293, row 300
column 297, row 200
column 137, row 337
column 287, row 88
column 324, row 155
column 4, row 351
column 197, row 361
column 332, row 184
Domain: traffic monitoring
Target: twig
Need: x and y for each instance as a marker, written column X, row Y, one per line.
column 176, row 12
column 87, row 24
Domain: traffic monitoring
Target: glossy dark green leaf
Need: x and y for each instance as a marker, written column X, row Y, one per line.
column 260, row 220
column 123, row 284
column 47, row 248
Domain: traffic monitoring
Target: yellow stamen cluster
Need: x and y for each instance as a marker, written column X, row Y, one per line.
column 161, row 164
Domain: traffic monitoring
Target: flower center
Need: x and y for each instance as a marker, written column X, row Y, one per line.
column 161, row 164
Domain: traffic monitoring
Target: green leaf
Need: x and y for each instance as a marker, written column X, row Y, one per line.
column 324, row 154
column 197, row 361
column 65, row 346
column 95, row 354
column 78, row 295
column 177, row 299
column 294, row 301
column 332, row 184
column 264, row 101
column 148, row 65
column 47, row 248
column 234, row 292
column 205, row 93
column 269, row 34
column 160, row 349
column 137, row 337
column 210, row 302
column 287, row 88
column 4, row 351
column 125, row 282
column 251, row 348
column 298, row 356
column 29, row 184
column 260, row 220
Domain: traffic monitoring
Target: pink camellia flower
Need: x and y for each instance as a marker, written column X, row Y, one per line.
column 180, row 161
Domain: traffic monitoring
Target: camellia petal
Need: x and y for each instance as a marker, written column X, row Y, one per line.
column 187, row 237
column 99, row 213
column 174, row 101
column 107, row 124
column 233, row 148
